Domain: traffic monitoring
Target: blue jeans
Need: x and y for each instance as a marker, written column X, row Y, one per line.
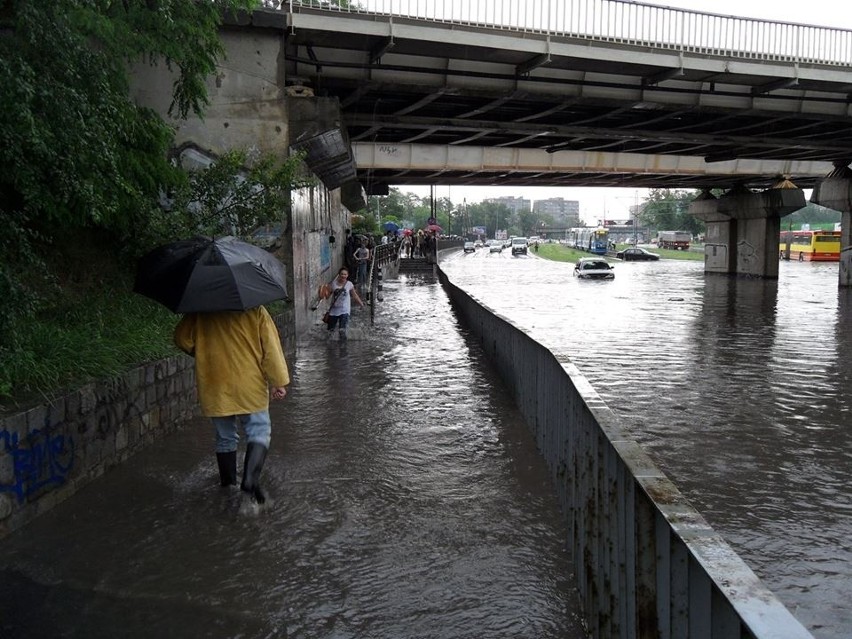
column 341, row 321
column 362, row 273
column 257, row 425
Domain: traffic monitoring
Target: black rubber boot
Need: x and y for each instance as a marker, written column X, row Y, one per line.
column 227, row 468
column 255, row 457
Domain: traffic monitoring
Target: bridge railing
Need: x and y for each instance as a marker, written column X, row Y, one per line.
column 621, row 22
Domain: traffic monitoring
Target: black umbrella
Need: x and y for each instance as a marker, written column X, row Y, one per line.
column 205, row 275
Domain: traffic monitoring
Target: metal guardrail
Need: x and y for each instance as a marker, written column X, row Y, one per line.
column 620, row 22
column 382, row 254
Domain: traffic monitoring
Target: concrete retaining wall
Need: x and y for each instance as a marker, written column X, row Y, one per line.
column 647, row 563
column 50, row 451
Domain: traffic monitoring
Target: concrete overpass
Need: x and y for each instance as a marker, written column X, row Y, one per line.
column 600, row 87
column 587, row 93
column 598, row 94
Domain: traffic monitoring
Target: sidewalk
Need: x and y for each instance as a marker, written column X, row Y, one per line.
column 409, row 502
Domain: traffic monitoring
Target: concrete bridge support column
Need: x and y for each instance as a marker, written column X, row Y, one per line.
column 743, row 228
column 835, row 192
column 720, row 249
column 757, row 246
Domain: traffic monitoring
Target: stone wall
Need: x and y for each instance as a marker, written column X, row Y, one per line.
column 50, row 451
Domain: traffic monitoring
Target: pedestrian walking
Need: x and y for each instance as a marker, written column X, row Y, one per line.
column 341, row 292
column 238, row 357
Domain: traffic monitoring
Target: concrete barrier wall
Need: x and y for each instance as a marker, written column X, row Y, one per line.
column 49, row 451
column 648, row 564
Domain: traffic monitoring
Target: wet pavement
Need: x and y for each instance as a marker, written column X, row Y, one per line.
column 409, row 502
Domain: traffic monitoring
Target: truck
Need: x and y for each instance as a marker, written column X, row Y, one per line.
column 677, row 240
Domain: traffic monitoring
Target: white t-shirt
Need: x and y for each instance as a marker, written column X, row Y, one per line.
column 343, row 304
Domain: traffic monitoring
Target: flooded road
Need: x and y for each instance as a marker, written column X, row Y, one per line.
column 739, row 389
column 410, row 502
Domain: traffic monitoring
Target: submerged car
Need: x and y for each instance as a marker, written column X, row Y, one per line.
column 636, row 254
column 469, row 247
column 495, row 246
column 593, row 268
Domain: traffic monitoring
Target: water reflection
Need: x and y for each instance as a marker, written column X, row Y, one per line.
column 739, row 388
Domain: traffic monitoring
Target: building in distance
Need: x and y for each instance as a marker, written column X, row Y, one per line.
column 514, row 204
column 562, row 211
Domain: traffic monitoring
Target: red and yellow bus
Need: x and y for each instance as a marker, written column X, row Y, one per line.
column 811, row 246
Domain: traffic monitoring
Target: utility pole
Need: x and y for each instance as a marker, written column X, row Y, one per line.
column 465, row 221
column 636, row 217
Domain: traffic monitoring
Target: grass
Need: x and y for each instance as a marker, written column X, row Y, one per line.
column 91, row 325
column 560, row 253
column 100, row 334
column 694, row 256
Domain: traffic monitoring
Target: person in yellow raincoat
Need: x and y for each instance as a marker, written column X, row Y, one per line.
column 238, row 358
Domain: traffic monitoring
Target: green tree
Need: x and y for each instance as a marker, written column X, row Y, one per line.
column 75, row 151
column 668, row 210
column 394, row 204
column 213, row 202
column 812, row 214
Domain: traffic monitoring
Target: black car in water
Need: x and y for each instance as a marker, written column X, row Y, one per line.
column 636, row 253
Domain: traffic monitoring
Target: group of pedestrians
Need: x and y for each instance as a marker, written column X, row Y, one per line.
column 419, row 244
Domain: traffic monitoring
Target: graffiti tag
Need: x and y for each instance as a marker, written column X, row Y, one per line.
column 44, row 461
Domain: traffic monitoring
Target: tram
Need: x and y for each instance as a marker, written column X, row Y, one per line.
column 589, row 239
column 810, row 246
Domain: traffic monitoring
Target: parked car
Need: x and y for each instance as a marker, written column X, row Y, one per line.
column 593, row 268
column 469, row 247
column 519, row 245
column 495, row 246
column 636, row 254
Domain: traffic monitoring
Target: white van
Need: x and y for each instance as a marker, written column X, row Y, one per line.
column 519, row 245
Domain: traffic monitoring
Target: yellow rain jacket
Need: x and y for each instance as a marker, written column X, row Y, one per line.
column 238, row 355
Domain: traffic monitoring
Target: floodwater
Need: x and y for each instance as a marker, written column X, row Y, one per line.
column 410, row 502
column 739, row 389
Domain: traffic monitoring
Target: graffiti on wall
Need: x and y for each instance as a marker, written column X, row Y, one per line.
column 43, row 460
column 325, row 255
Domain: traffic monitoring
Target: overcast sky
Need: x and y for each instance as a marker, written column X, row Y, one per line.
column 613, row 202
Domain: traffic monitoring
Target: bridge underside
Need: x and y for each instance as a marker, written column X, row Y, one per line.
column 384, row 163
column 401, row 82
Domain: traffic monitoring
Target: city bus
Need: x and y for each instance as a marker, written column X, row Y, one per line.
column 811, row 246
column 591, row 240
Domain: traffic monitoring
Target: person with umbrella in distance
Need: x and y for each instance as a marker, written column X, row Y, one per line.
column 220, row 286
